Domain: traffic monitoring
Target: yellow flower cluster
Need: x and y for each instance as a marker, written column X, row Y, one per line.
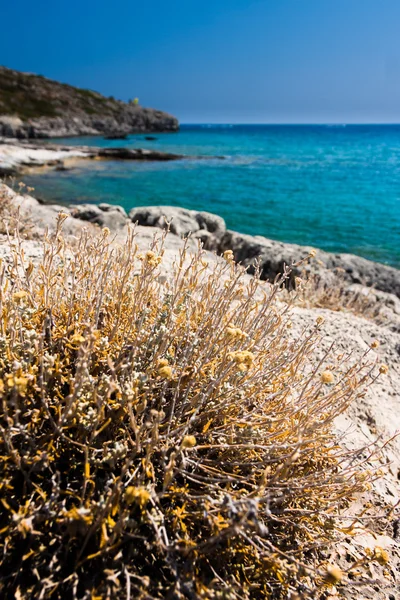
column 164, row 369
column 20, row 295
column 381, row 555
column 235, row 333
column 138, row 495
column 243, row 358
column 151, row 258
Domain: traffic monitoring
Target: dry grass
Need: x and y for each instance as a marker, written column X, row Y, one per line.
column 9, row 213
column 334, row 294
column 165, row 439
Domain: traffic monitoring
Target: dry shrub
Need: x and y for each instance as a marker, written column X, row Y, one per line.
column 335, row 294
column 9, row 213
column 164, row 439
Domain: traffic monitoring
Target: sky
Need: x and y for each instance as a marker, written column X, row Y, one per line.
column 219, row 61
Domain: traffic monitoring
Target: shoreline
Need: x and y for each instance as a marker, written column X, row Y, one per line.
column 17, row 157
column 347, row 270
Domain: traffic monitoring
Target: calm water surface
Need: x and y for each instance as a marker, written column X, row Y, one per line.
column 333, row 187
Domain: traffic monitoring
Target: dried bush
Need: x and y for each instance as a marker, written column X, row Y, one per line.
column 9, row 213
column 335, row 294
column 164, row 439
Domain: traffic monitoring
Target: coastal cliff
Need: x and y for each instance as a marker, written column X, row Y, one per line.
column 32, row 106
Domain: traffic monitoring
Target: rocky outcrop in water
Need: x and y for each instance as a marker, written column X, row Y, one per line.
column 32, row 106
column 18, row 155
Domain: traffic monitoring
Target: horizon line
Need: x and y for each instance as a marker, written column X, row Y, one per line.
column 337, row 124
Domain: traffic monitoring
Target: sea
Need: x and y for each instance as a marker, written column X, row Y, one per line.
column 335, row 187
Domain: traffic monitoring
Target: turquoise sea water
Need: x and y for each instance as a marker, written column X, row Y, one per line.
column 333, row 187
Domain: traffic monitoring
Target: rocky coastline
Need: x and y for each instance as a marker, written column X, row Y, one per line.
column 33, row 106
column 374, row 415
column 18, row 156
column 269, row 256
column 130, row 120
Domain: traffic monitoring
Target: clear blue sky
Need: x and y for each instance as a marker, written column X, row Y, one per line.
column 258, row 61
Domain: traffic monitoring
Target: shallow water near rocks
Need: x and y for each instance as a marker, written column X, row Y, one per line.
column 333, row 187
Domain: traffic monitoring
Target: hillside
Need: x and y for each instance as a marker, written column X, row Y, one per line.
column 32, row 106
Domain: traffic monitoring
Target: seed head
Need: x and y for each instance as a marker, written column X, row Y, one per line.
column 20, row 295
column 228, row 255
column 327, row 377
column 333, row 575
column 189, row 441
column 165, row 372
column 381, row 555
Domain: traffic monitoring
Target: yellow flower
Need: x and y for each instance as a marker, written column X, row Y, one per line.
column 243, row 358
column 20, row 295
column 235, row 333
column 333, row 575
column 21, row 383
column 312, row 253
column 381, row 555
column 228, row 255
column 138, row 495
column 327, row 377
column 383, row 369
column 151, row 258
column 189, row 441
column 165, row 372
column 374, row 344
column 162, row 362
column 319, row 320
column 77, row 338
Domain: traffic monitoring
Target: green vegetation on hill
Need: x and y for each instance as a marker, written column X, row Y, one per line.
column 30, row 96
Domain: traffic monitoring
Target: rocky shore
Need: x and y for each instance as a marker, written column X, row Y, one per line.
column 271, row 256
column 16, row 156
column 375, row 415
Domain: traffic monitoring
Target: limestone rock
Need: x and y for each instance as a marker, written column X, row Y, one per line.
column 105, row 215
column 182, row 220
column 136, row 154
column 274, row 255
